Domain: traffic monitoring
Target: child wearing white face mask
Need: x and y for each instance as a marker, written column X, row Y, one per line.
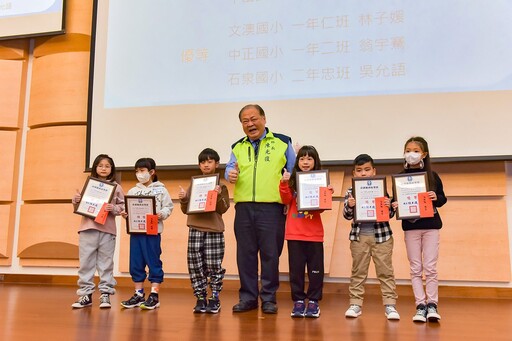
column 145, row 249
column 422, row 235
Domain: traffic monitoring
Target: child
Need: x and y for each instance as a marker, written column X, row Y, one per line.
column 145, row 249
column 370, row 241
column 305, row 235
column 97, row 242
column 422, row 235
column 206, row 240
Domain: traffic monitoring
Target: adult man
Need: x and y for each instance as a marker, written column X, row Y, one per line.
column 255, row 167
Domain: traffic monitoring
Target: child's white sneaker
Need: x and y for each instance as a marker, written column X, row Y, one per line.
column 432, row 313
column 353, row 311
column 391, row 312
column 421, row 314
column 83, row 301
column 105, row 301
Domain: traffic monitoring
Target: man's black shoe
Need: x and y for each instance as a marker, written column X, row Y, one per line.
column 242, row 306
column 269, row 308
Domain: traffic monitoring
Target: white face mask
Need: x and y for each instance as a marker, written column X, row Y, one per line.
column 412, row 158
column 143, row 177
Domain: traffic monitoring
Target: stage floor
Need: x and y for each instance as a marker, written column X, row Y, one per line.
column 43, row 312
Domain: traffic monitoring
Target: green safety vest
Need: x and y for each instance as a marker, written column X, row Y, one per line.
column 258, row 179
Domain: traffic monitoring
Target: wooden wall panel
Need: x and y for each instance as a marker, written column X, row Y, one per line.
column 54, row 162
column 78, row 16
column 78, row 31
column 54, row 156
column 59, row 89
column 473, row 178
column 330, row 217
column 340, row 255
column 124, row 249
column 7, row 160
column 174, row 242
column 16, row 49
column 13, row 55
column 68, row 43
column 50, row 263
column 50, row 250
column 48, row 231
column 474, row 240
column 10, row 92
column 230, row 254
column 5, row 219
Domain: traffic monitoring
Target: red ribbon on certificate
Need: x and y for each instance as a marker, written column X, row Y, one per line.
column 325, row 197
column 152, row 224
column 211, row 201
column 382, row 211
column 426, row 206
column 101, row 218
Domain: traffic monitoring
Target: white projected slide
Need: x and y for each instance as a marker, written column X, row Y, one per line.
column 27, row 18
column 349, row 77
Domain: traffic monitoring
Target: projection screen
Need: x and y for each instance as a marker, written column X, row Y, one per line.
column 22, row 18
column 168, row 78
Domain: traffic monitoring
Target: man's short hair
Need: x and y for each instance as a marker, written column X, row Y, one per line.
column 255, row 106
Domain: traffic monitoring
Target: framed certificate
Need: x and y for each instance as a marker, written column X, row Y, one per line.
column 308, row 189
column 406, row 188
column 94, row 194
column 200, row 201
column 138, row 207
column 365, row 190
